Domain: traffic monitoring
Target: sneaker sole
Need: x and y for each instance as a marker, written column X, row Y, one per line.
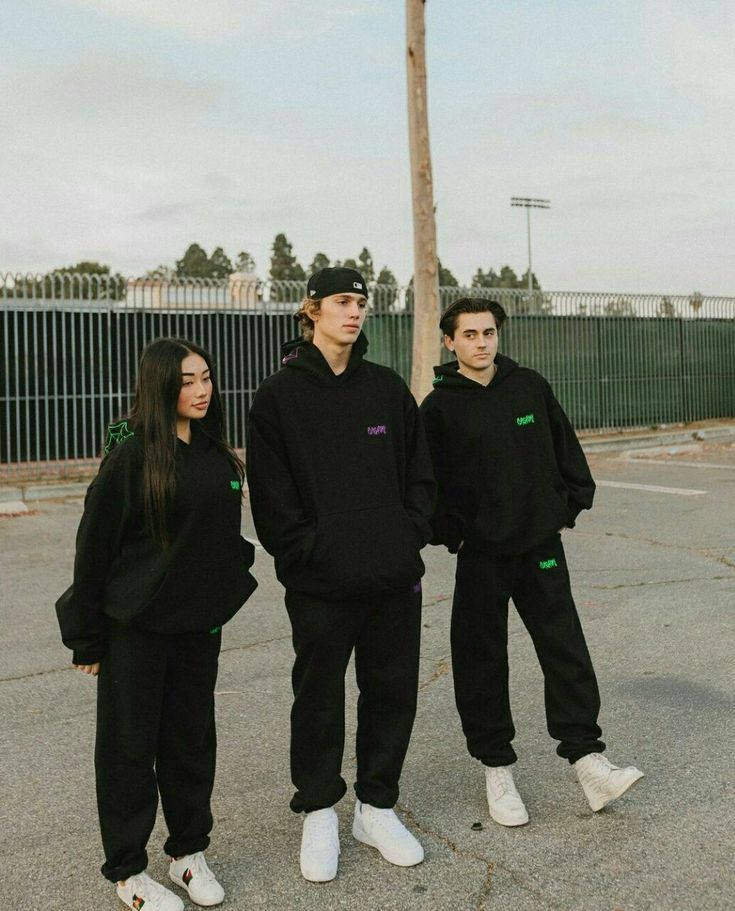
column 359, row 833
column 319, row 877
column 600, row 805
column 202, row 904
column 507, row 821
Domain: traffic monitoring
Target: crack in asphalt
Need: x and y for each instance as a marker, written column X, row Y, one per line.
column 442, row 668
column 63, row 670
column 491, row 866
column 438, row 600
column 702, row 551
column 658, row 582
column 249, row 645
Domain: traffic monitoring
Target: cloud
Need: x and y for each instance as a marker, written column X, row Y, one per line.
column 219, row 20
column 696, row 47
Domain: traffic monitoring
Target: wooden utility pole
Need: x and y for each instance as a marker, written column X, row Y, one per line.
column 426, row 341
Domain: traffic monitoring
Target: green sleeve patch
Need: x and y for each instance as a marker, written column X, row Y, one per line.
column 547, row 564
column 235, row 485
column 524, row 419
column 116, row 433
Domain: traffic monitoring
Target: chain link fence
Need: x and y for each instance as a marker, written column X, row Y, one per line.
column 70, row 342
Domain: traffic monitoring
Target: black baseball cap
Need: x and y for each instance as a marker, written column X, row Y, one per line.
column 335, row 280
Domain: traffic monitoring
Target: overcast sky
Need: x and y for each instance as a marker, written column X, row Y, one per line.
column 131, row 128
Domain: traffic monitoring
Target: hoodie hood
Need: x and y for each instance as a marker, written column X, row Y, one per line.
column 448, row 375
column 299, row 354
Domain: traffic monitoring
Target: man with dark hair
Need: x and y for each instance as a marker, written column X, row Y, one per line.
column 341, row 490
column 511, row 476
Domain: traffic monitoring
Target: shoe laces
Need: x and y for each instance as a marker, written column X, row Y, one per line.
column 501, row 781
column 319, row 827
column 596, row 772
column 153, row 892
column 387, row 820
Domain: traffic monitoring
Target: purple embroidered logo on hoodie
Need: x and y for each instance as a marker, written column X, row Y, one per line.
column 378, row 430
column 291, row 355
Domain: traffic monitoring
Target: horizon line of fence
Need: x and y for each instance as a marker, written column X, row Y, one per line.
column 69, row 351
column 241, row 291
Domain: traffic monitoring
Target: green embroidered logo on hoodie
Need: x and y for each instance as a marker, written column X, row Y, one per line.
column 524, row 419
column 235, row 485
column 437, row 380
column 547, row 564
column 116, row 433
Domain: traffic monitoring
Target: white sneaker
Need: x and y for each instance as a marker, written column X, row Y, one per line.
column 602, row 781
column 141, row 893
column 503, row 799
column 320, row 846
column 383, row 830
column 192, row 873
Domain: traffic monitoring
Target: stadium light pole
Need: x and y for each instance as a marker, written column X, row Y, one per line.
column 528, row 203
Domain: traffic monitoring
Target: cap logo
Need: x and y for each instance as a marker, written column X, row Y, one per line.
column 312, row 292
column 357, row 285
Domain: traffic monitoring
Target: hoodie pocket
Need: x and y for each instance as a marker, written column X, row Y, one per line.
column 370, row 551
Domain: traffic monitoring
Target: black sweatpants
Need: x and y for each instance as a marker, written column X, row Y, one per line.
column 538, row 583
column 385, row 634
column 155, row 732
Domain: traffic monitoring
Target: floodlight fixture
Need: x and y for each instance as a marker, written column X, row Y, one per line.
column 528, row 203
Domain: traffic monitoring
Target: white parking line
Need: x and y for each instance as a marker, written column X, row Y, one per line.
column 653, row 488
column 684, row 464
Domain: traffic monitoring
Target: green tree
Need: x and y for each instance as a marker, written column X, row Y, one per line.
column 284, row 265
column 385, row 291
column 489, row 279
column 667, row 308
column 696, row 301
column 161, row 272
column 508, row 278
column 366, row 266
column 194, row 263
column 244, row 262
column 220, row 265
column 350, row 264
column 446, row 278
column 86, row 280
column 320, row 261
column 618, row 306
column 523, row 281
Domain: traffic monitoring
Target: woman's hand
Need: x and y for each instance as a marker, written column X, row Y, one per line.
column 91, row 669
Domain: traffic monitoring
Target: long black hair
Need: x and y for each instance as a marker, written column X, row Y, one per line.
column 152, row 418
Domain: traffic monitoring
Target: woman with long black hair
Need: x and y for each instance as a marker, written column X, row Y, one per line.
column 160, row 566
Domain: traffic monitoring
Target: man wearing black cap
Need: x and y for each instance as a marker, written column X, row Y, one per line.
column 341, row 490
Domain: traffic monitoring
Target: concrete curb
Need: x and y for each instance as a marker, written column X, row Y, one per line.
column 656, row 438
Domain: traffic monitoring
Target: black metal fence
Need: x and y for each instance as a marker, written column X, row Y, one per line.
column 69, row 348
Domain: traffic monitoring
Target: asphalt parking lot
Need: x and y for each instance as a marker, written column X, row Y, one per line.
column 653, row 567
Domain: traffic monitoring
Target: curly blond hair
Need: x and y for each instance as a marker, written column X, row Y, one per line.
column 306, row 323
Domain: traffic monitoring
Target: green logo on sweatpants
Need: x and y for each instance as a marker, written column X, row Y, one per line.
column 547, row 564
column 524, row 419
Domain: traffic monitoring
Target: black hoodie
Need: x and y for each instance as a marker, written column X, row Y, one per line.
column 340, row 478
column 195, row 584
column 508, row 464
